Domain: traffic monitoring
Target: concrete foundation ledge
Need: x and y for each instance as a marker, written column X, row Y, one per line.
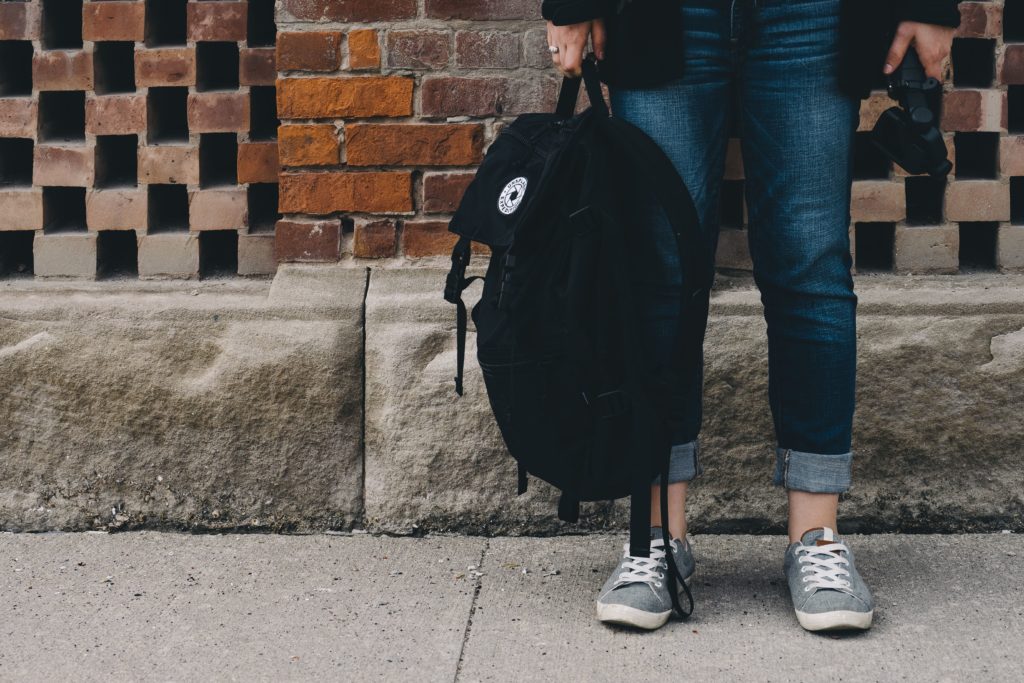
column 324, row 400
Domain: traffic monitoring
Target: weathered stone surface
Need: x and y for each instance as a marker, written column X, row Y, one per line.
column 938, row 436
column 222, row 404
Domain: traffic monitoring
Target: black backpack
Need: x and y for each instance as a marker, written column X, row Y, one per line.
column 578, row 402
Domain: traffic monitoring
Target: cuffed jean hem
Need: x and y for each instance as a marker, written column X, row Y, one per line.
column 684, row 464
column 812, row 472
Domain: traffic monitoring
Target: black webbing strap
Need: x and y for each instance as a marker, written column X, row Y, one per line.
column 675, row 578
column 455, row 284
column 570, row 91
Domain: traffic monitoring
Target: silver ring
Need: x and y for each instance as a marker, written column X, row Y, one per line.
column 553, row 49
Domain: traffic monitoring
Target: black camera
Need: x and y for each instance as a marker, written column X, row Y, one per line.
column 909, row 134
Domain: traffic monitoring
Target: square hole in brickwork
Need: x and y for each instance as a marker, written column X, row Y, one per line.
column 1015, row 108
column 978, row 246
column 167, row 112
column 263, row 214
column 63, row 209
column 62, row 24
column 1017, row 200
column 218, row 159
column 61, row 116
column 16, row 253
column 977, row 155
column 925, row 196
column 974, row 61
column 114, row 67
column 263, row 121
column 1013, row 21
column 262, row 29
column 166, row 22
column 15, row 161
column 117, row 161
column 874, row 246
column 15, row 68
column 168, row 208
column 117, row 253
column 218, row 253
column 731, row 204
column 216, row 66
column 868, row 162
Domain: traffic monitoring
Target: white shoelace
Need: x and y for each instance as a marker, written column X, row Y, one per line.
column 649, row 570
column 824, row 567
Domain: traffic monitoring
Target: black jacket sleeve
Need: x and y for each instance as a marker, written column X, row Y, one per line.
column 562, row 12
column 941, row 12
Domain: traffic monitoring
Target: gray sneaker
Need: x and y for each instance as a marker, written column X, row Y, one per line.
column 636, row 594
column 828, row 593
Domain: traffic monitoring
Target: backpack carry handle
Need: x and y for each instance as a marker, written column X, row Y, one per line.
column 570, row 91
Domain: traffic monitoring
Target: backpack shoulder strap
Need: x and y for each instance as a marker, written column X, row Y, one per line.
column 455, row 284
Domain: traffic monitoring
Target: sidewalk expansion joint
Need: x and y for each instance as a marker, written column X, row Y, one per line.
column 472, row 608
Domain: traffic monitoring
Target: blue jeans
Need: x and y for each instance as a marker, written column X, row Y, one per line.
column 777, row 61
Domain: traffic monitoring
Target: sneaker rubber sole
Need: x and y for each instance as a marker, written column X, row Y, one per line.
column 840, row 620
column 624, row 615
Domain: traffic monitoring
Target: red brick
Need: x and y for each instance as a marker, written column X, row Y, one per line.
column 257, row 162
column 71, row 166
column 165, row 66
column 374, row 239
column 217, row 209
column 460, row 96
column 312, row 51
column 372, row 144
column 878, row 201
column 309, row 145
column 419, row 49
column 175, row 164
column 442, row 192
column 535, row 48
column 218, row 112
column 257, row 66
column 978, row 200
column 1011, row 155
column 223, row 21
column 487, row 49
column 19, row 21
column 485, row 10
column 115, row 114
column 1011, row 65
column 980, row 20
column 307, row 240
column 363, row 49
column 972, row 110
column 116, row 209
column 324, row 193
column 18, row 117
column 427, row 238
column 62, row 70
column 353, row 96
column 114, row 21
column 21, row 209
column 349, row 10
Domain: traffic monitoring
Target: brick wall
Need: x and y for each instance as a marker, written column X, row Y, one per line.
column 137, row 137
column 386, row 106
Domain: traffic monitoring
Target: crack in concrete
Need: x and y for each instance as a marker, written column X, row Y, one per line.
column 472, row 609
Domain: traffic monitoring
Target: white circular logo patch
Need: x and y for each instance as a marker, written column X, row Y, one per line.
column 512, row 196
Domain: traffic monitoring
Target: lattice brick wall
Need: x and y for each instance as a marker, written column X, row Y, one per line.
column 137, row 137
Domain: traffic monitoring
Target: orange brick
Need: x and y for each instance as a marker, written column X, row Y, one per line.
column 324, row 193
column 165, row 66
column 374, row 239
column 309, row 51
column 427, row 238
column 368, row 144
column 353, row 96
column 257, row 162
column 113, row 21
column 309, row 145
column 363, row 49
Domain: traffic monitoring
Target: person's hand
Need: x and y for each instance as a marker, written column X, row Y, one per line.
column 931, row 42
column 571, row 41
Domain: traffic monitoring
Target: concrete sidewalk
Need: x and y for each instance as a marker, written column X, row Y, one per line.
column 157, row 606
